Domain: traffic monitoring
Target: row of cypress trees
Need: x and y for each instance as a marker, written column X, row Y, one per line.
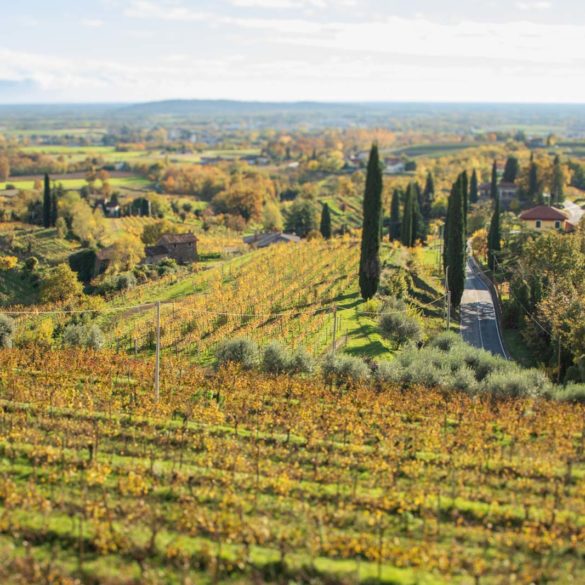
column 411, row 225
column 463, row 193
column 408, row 226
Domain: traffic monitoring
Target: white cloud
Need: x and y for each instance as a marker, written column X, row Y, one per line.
column 509, row 42
column 538, row 5
column 336, row 77
column 92, row 22
column 298, row 4
column 149, row 9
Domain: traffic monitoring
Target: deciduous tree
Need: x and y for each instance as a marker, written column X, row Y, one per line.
column 60, row 285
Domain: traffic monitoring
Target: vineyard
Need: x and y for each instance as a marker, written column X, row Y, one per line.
column 239, row 477
column 283, row 292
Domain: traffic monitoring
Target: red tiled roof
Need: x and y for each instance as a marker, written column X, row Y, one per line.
column 177, row 239
column 544, row 213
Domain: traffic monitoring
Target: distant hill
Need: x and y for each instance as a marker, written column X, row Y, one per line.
column 207, row 107
column 412, row 115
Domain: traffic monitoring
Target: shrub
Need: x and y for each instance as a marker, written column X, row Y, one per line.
column 301, row 362
column 463, row 380
column 275, row 358
column 344, row 369
column 8, row 262
column 514, row 384
column 388, row 372
column 370, row 307
column 126, row 281
column 446, row 341
column 6, row 331
column 395, row 281
column 576, row 372
column 83, row 335
column 239, row 351
column 481, row 362
column 400, row 328
column 571, row 393
column 425, row 373
column 38, row 333
column 31, row 264
column 166, row 266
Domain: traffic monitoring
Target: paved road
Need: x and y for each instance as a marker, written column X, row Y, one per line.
column 479, row 325
column 574, row 211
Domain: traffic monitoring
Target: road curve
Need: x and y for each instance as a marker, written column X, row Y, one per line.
column 575, row 212
column 479, row 323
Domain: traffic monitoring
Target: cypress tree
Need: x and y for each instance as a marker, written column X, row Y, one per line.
column 465, row 195
column 533, row 180
column 56, row 194
column 419, row 225
column 325, row 222
column 369, row 277
column 395, row 216
column 407, row 227
column 456, row 245
column 47, row 202
column 474, row 188
column 446, row 230
column 428, row 197
column 494, row 183
column 494, row 236
column 558, row 180
column 511, row 170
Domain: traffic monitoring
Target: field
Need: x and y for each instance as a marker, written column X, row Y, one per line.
column 121, row 182
column 238, row 477
column 432, row 150
column 242, row 298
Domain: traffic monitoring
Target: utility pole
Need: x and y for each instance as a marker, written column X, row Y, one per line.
column 334, row 328
column 157, row 358
column 495, row 275
column 559, row 362
column 448, row 299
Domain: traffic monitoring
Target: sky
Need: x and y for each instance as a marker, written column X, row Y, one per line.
column 73, row 51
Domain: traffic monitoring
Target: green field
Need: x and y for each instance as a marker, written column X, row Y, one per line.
column 432, row 150
column 136, row 183
column 67, row 150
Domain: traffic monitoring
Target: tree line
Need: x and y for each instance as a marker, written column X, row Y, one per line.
column 410, row 212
